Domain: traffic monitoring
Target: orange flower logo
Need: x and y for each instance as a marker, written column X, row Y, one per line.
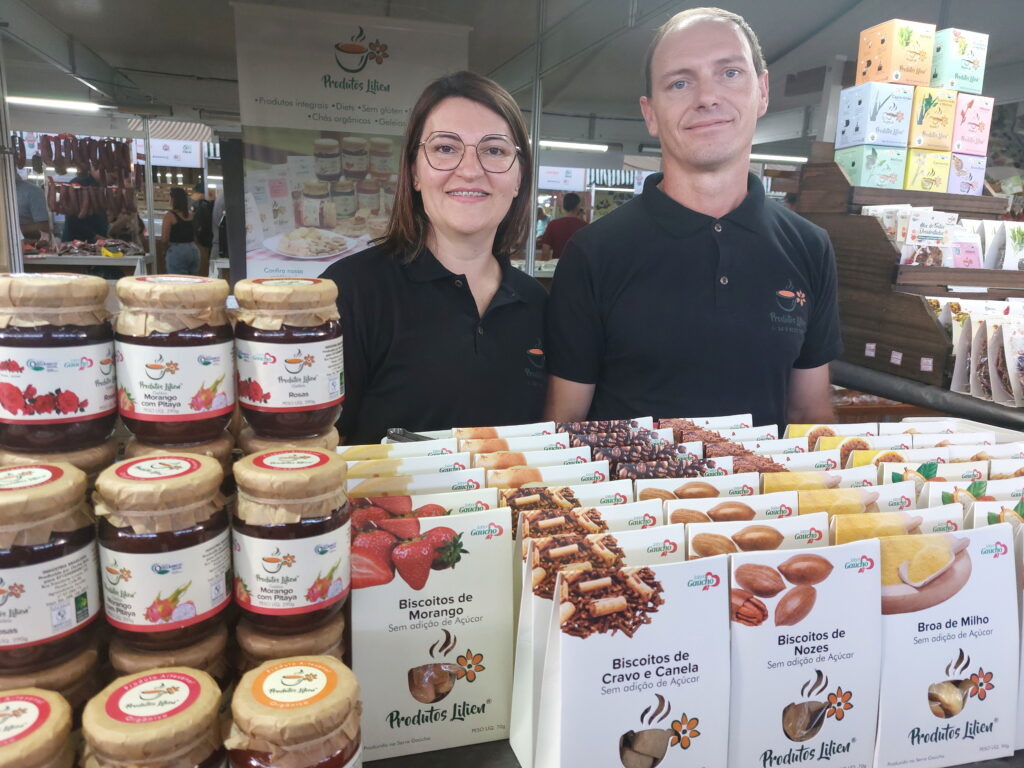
column 469, row 666
column 801, row 298
column 981, row 684
column 378, row 51
column 684, row 731
column 839, row 703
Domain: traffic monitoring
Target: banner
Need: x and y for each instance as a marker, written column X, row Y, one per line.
column 324, row 100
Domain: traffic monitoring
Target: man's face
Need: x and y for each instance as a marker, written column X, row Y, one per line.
column 705, row 96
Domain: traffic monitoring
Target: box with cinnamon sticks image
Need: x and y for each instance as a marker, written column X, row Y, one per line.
column 623, row 647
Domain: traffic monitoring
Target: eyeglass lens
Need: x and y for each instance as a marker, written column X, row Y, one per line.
column 444, row 152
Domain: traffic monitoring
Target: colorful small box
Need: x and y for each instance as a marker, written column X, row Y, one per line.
column 896, row 51
column 874, row 113
column 967, row 174
column 931, row 121
column 927, row 170
column 958, row 60
column 869, row 166
column 972, row 123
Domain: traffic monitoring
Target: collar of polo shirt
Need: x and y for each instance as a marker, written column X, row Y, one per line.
column 681, row 221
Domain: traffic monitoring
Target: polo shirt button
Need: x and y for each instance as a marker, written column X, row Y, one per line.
column 480, row 330
column 458, row 283
column 718, row 227
column 723, row 280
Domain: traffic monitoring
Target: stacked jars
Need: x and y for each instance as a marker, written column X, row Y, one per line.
column 291, row 552
column 36, row 730
column 46, row 626
column 289, row 358
column 57, row 395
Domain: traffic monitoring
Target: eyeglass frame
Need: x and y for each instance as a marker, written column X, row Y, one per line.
column 516, row 147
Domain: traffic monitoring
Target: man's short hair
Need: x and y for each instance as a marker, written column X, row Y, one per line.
column 571, row 202
column 715, row 14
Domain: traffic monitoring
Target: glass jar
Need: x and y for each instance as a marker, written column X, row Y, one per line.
column 368, row 194
column 45, row 527
column 256, row 646
column 219, row 449
column 382, row 158
column 208, row 655
column 36, row 730
column 165, row 552
column 249, row 442
column 56, row 362
column 318, row 210
column 166, row 717
column 344, row 195
column 327, row 159
column 387, row 197
column 291, row 539
column 175, row 358
column 289, row 356
column 92, row 461
column 76, row 679
column 318, row 727
column 355, row 157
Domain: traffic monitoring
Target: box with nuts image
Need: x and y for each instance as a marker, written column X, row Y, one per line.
column 957, row 439
column 710, row 539
column 1004, row 469
column 653, row 693
column 667, row 489
column 848, row 528
column 545, row 559
column 813, row 432
column 432, row 629
column 764, row 506
column 918, row 455
column 986, row 452
column 854, row 501
column 806, row 638
column 951, row 640
column 775, row 482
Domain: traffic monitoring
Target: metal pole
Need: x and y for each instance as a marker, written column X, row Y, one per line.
column 531, row 240
column 9, row 217
column 151, row 227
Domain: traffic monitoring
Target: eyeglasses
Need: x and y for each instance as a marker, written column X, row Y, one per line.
column 444, row 151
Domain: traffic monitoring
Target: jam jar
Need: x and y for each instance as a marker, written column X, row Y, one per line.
column 165, row 718
column 314, row 726
column 92, row 460
column 249, row 442
column 56, row 362
column 76, row 679
column 344, row 195
column 175, row 358
column 36, row 729
column 289, row 355
column 291, row 539
column 327, row 159
column 382, row 158
column 165, row 551
column 256, row 646
column 208, row 655
column 355, row 157
column 45, row 526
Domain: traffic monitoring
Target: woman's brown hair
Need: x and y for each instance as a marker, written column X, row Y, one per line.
column 407, row 230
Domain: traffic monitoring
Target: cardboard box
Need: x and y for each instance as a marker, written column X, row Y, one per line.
column 983, row 513
column 986, row 452
column 408, row 485
column 927, row 170
column 847, row 445
column 854, row 501
column 932, row 118
column 963, row 471
column 874, row 113
column 743, row 484
column 767, row 432
column 951, row 648
column 868, row 166
column 1003, row 469
column 771, row 447
column 566, row 474
column 452, row 503
column 734, row 421
column 972, row 124
column 857, row 477
column 958, row 60
column 397, row 450
column 762, row 506
column 411, row 465
column 813, row 431
column 896, row 51
column 967, row 176
column 982, row 440
column 802, row 532
column 543, row 458
column 551, row 442
column 567, row 497
column 815, row 460
column 920, row 455
column 980, row 490
column 849, row 528
column 514, row 430
column 805, row 660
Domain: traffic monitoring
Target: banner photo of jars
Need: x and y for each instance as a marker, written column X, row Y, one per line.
column 323, row 114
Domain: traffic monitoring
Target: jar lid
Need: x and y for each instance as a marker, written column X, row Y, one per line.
column 277, row 293
column 262, row 646
column 250, row 442
column 205, row 655
column 36, row 726
column 89, row 460
column 51, row 289
column 162, row 492
column 325, row 145
column 368, row 184
column 297, row 699
column 219, row 449
column 151, row 714
column 172, row 292
column 289, row 484
column 62, row 677
column 36, row 499
column 343, row 186
column 353, row 143
column 380, row 143
column 315, row 188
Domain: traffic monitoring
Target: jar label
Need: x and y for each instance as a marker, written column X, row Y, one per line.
column 356, row 163
column 382, row 164
column 370, row 200
column 327, row 166
column 153, row 697
column 175, row 383
column 29, row 476
column 283, row 577
column 160, row 591
column 41, row 602
column 53, row 385
column 346, row 205
column 20, row 715
column 287, row 280
column 156, row 468
column 293, row 684
column 285, row 378
column 294, row 459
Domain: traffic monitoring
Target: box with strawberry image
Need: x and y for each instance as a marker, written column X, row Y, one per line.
column 420, row 574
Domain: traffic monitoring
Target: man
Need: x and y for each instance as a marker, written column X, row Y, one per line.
column 86, row 228
column 699, row 297
column 32, row 213
column 219, row 247
column 558, row 232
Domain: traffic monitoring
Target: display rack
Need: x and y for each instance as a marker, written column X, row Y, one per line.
column 887, row 324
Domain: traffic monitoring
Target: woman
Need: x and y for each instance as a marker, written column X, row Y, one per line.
column 178, row 236
column 440, row 329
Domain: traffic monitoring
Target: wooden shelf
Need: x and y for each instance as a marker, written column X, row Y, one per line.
column 935, row 281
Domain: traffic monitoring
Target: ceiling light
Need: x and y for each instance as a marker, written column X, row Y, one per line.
column 546, row 144
column 613, row 189
column 75, row 106
column 650, row 149
column 777, row 158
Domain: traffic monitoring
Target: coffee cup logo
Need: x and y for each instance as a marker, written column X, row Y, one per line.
column 354, row 55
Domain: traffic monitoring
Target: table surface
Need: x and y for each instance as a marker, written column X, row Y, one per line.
column 498, row 754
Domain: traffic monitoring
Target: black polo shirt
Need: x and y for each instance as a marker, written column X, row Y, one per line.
column 673, row 313
column 418, row 355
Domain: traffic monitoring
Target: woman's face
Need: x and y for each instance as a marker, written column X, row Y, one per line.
column 468, row 200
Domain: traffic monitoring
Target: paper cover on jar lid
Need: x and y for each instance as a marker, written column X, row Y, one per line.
column 36, row 499
column 36, row 727
column 285, row 486
column 263, row 646
column 89, row 460
column 207, row 655
column 52, row 299
column 166, row 303
column 62, row 677
column 270, row 302
column 220, row 449
column 167, row 714
column 250, row 442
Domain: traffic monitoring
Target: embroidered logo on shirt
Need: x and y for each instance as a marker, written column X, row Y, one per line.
column 535, row 370
column 790, row 301
column 789, row 297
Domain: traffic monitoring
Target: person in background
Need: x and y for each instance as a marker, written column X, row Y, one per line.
column 440, row 329
column 33, row 217
column 699, row 297
column 219, row 247
column 558, row 232
column 202, row 214
column 178, row 236
column 86, row 228
column 542, row 220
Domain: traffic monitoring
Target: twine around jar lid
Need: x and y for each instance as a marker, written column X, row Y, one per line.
column 37, row 729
